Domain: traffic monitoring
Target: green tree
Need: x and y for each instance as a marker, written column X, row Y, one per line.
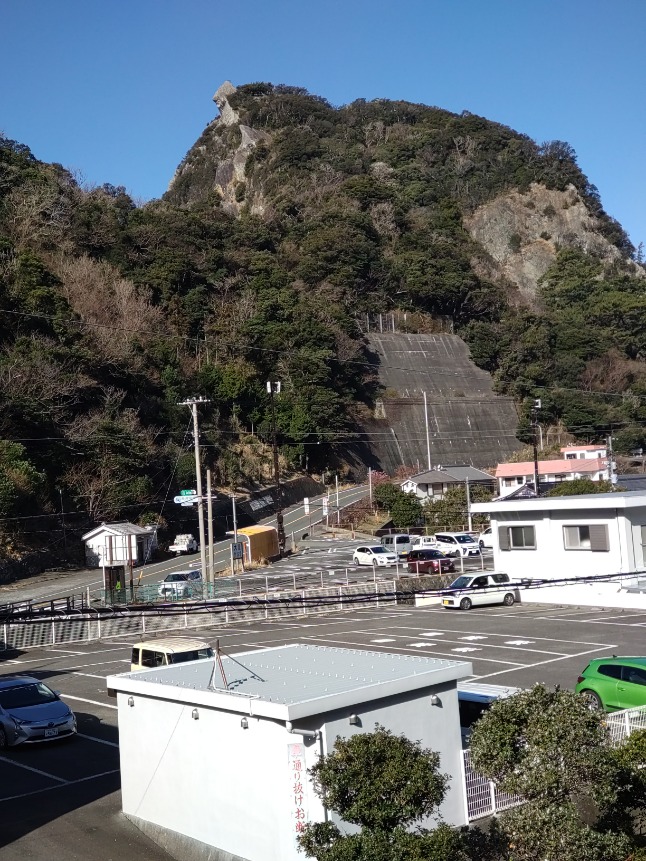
column 581, row 485
column 384, row 784
column 551, row 749
column 386, row 494
column 451, row 511
column 406, row 511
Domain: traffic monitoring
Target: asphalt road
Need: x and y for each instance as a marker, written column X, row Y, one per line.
column 61, row 800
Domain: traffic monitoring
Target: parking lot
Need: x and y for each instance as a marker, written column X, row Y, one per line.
column 72, row 787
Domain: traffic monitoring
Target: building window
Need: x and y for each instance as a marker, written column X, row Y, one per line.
column 593, row 537
column 517, row 538
column 576, row 537
column 520, row 479
column 570, row 456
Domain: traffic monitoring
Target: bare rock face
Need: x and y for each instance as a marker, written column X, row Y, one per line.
column 217, row 161
column 522, row 233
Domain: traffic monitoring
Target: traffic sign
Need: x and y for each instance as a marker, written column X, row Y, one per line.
column 306, row 505
column 187, row 504
column 237, row 549
column 188, row 493
column 324, row 504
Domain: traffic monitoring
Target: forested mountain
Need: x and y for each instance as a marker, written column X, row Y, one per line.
column 288, row 221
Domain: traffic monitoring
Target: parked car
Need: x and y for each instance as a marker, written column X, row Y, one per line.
column 169, row 650
column 184, row 543
column 613, row 683
column 478, row 590
column 373, row 554
column 485, row 539
column 400, row 543
column 32, row 712
column 175, row 585
column 428, row 560
column 457, row 543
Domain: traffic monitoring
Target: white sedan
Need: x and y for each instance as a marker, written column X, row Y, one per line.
column 374, row 554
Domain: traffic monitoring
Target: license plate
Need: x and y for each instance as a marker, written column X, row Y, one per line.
column 446, row 603
column 51, row 733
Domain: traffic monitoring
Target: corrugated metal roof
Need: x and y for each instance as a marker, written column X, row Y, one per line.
column 318, row 678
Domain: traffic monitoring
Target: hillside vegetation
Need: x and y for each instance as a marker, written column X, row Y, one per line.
column 283, row 227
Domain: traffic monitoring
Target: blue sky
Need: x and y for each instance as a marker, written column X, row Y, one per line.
column 119, row 90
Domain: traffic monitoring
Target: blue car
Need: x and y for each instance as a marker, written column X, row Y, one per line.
column 32, row 712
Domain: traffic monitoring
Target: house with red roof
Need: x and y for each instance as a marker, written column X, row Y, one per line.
column 578, row 461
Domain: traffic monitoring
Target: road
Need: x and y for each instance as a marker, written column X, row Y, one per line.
column 59, row 584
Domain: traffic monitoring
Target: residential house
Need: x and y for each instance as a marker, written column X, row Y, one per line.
column 434, row 483
column 215, row 754
column 585, row 461
column 551, row 538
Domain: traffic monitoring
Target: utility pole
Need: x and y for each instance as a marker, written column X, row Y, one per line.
column 428, row 442
column 534, row 417
column 63, row 525
column 209, row 511
column 192, row 404
column 611, row 461
column 274, row 388
column 470, row 519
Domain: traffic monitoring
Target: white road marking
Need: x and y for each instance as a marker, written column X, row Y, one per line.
column 386, row 640
column 536, row 639
column 421, row 645
column 66, row 783
column 92, row 702
column 514, row 664
column 518, row 642
column 66, row 651
column 550, row 661
column 472, row 637
column 35, row 770
column 432, row 634
column 466, row 649
column 90, row 675
column 97, row 740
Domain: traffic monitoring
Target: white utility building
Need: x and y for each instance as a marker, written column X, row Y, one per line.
column 550, row 538
column 214, row 755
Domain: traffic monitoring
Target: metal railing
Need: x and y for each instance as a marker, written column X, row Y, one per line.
column 288, row 604
column 483, row 798
column 623, row 723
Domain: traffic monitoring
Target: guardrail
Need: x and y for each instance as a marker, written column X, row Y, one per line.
column 97, row 626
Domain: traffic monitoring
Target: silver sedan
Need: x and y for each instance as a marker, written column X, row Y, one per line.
column 32, row 712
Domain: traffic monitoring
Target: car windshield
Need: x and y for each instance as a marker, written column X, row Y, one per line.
column 464, row 539
column 461, row 583
column 26, row 695
column 378, row 549
column 175, row 578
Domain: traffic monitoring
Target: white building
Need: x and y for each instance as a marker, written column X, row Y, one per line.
column 578, row 461
column 568, row 536
column 434, row 483
column 214, row 760
column 115, row 544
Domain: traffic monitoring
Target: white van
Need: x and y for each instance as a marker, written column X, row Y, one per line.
column 399, row 542
column 457, row 543
column 169, row 650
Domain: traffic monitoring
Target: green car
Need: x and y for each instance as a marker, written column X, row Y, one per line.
column 613, row 683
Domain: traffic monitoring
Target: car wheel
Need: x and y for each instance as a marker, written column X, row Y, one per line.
column 592, row 700
column 466, row 604
column 3, row 738
column 508, row 600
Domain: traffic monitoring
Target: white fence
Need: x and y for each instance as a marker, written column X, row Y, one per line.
column 33, row 634
column 483, row 797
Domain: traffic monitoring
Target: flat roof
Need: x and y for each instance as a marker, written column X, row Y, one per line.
column 627, row 499
column 291, row 681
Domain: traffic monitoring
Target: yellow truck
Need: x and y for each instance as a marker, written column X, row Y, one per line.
column 259, row 542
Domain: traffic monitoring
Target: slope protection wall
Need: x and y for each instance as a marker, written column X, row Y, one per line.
column 468, row 422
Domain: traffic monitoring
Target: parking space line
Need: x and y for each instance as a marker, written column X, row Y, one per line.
column 66, row 651
column 31, row 768
column 97, row 740
column 450, row 655
column 67, row 783
column 89, row 676
column 457, row 631
column 91, row 702
column 459, row 640
column 542, row 663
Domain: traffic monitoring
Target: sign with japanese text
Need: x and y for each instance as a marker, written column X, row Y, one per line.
column 297, row 787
